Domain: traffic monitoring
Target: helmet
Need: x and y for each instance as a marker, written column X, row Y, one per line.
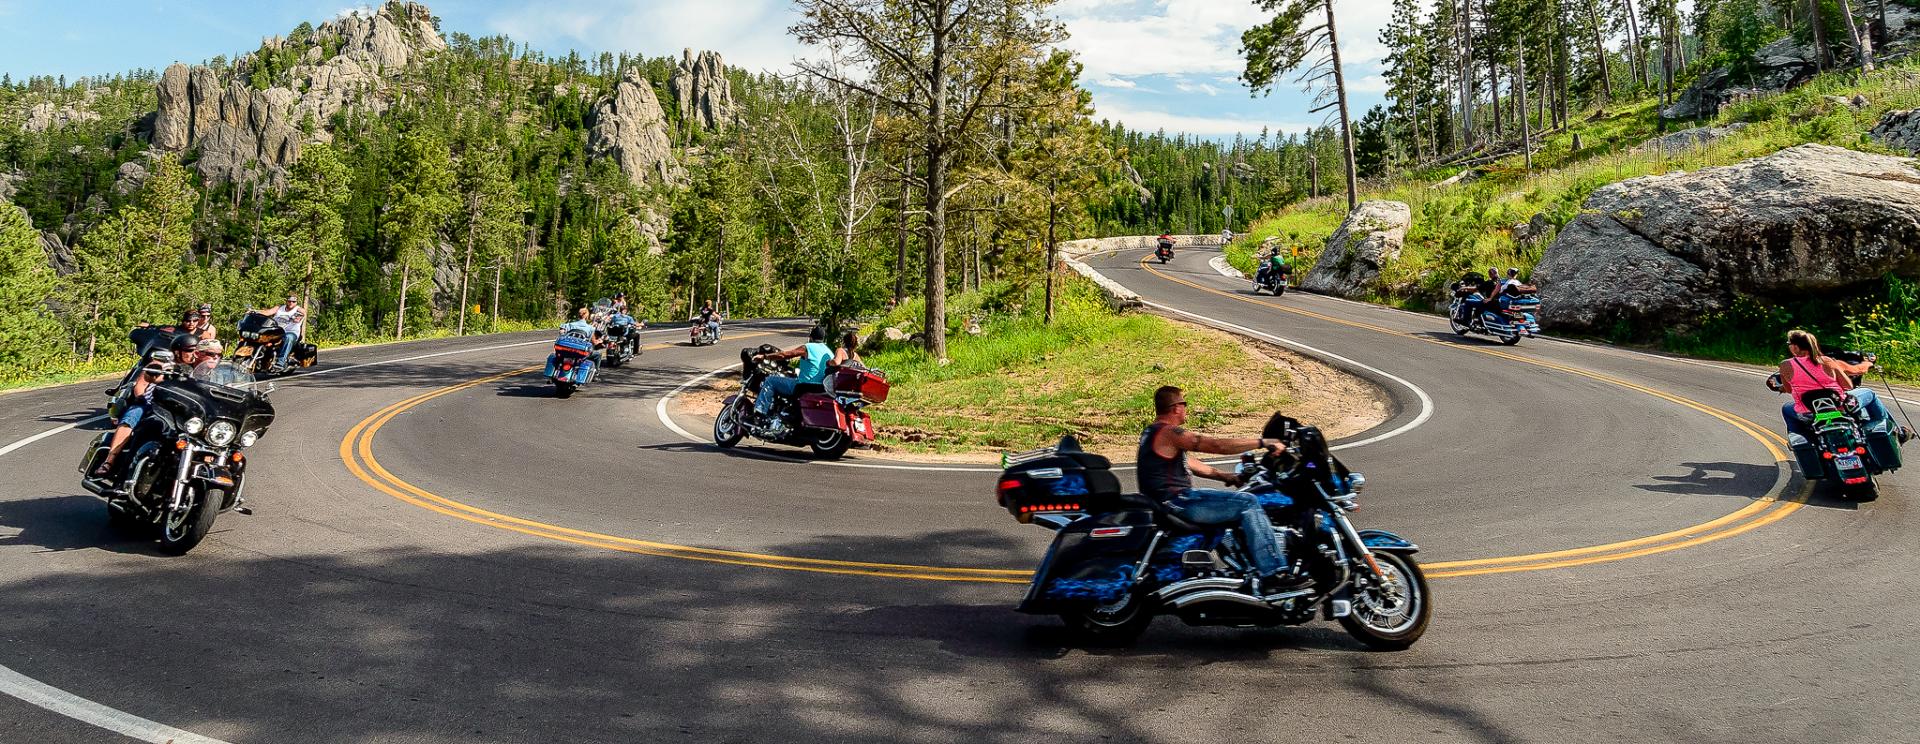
column 619, row 295
column 183, row 343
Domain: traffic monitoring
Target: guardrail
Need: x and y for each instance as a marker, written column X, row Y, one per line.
column 1118, row 297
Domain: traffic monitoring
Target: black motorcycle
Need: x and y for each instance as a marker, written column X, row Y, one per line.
column 623, row 339
column 1847, row 448
column 1274, row 281
column 183, row 464
column 258, row 350
column 1120, row 560
column 1164, row 251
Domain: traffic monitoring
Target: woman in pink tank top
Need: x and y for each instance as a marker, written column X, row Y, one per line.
column 1808, row 369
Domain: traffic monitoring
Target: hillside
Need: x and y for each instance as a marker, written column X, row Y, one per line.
column 1500, row 214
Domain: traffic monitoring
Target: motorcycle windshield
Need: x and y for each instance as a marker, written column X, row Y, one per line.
column 224, row 391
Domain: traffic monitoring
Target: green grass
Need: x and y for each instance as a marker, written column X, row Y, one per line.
column 1022, row 384
column 1470, row 227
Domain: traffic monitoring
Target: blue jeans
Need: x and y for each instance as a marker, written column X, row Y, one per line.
column 286, row 346
column 772, row 386
column 1870, row 403
column 1213, row 506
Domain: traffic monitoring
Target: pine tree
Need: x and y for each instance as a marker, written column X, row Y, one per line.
column 1291, row 40
column 420, row 197
column 29, row 335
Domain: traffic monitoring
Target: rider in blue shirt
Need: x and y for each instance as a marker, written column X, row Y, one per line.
column 814, row 356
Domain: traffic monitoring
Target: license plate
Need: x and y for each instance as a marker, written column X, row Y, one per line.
column 1846, row 462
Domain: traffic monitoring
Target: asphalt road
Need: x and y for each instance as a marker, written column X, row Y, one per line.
column 1619, row 557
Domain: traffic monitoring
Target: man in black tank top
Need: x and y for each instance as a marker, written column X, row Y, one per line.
column 1166, row 475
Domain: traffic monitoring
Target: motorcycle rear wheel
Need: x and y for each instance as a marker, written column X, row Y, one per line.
column 1510, row 340
column 1392, row 619
column 563, row 388
column 830, row 444
column 1118, row 623
column 1863, row 492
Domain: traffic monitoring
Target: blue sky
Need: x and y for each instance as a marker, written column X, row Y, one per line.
column 1152, row 64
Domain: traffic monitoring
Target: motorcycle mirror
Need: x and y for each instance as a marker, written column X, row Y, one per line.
column 270, row 388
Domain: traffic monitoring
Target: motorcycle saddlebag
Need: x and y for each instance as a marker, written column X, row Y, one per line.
column 820, row 412
column 570, row 345
column 1884, row 448
column 1808, row 457
column 1091, row 561
column 1065, row 481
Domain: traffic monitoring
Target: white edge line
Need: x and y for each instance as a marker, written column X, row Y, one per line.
column 81, row 709
column 118, row 721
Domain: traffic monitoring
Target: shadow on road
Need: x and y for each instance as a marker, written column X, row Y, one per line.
column 542, row 642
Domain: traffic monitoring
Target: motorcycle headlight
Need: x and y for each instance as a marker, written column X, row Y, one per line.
column 194, row 425
column 247, row 439
column 1356, row 482
column 221, row 433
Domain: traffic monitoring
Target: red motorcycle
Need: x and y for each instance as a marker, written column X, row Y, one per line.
column 827, row 418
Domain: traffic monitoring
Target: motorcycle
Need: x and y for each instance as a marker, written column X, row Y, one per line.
column 571, row 364
column 1119, row 560
column 1845, row 449
column 701, row 334
column 1275, row 282
column 1164, row 252
column 623, row 338
column 1509, row 319
column 827, row 418
column 259, row 347
column 187, row 464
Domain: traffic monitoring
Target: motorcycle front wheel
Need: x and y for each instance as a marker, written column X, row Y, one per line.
column 1458, row 327
column 1117, row 623
column 726, row 426
column 1390, row 616
column 182, row 529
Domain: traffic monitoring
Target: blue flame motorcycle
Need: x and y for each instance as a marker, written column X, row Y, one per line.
column 1120, row 560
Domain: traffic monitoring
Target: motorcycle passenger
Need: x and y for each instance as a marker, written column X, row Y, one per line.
column 1166, row 471
column 1808, row 370
column 620, row 303
column 292, row 319
column 848, row 355
column 195, row 323
column 139, row 404
column 814, row 357
column 207, row 356
column 582, row 325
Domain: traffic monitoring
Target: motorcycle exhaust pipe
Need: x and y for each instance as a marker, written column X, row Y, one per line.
column 1219, row 595
column 1210, row 582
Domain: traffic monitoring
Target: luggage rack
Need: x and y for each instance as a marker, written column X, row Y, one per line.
column 1010, row 459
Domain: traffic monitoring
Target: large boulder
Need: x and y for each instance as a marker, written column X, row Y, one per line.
column 1899, row 130
column 1369, row 238
column 48, row 115
column 1660, row 251
column 630, row 127
column 701, row 90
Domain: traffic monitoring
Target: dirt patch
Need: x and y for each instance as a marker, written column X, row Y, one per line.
column 1341, row 404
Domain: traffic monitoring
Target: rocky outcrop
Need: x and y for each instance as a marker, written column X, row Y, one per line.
column 1661, row 251
column 1778, row 66
column 701, row 90
column 10, row 185
column 242, row 132
column 48, row 115
column 630, row 127
column 1369, row 239
column 59, row 255
column 1899, row 130
column 1688, row 139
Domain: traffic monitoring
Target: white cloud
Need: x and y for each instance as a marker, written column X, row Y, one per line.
column 1114, row 82
column 1195, row 37
column 1368, row 84
column 1205, row 88
column 749, row 33
column 1205, row 126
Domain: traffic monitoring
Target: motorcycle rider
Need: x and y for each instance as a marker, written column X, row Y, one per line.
column 1807, row 369
column 139, row 404
column 620, row 302
column 206, row 354
column 814, row 357
column 293, row 320
column 1165, row 241
column 583, row 326
column 1275, row 263
column 711, row 318
column 1166, row 471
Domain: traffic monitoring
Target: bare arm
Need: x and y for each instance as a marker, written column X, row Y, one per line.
column 1170, row 441
column 1844, row 367
column 792, row 353
column 1210, row 472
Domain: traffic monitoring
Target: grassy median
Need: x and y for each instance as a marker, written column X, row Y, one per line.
column 1021, row 383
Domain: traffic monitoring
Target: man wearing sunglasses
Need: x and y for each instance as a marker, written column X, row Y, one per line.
column 139, row 404
column 1166, row 472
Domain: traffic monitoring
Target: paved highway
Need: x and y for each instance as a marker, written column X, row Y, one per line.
column 444, row 553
